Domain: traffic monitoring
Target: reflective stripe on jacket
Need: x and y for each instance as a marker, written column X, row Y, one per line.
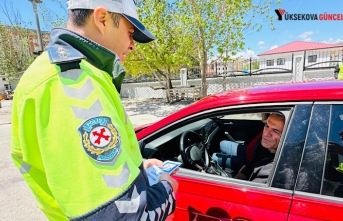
column 73, row 142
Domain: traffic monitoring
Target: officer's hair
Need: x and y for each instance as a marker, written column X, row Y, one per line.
column 79, row 17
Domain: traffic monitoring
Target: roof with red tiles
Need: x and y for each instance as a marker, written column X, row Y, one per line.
column 300, row 46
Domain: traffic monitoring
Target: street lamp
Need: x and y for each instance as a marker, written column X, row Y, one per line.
column 34, row 3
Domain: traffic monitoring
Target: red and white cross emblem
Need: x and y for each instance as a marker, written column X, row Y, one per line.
column 100, row 136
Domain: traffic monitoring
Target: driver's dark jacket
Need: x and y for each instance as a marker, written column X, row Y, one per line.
column 261, row 157
column 68, row 94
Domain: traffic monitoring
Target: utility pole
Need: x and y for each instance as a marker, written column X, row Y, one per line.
column 34, row 3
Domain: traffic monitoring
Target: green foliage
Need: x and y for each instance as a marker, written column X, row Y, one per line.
column 172, row 49
column 50, row 18
column 255, row 65
column 15, row 56
column 220, row 25
column 194, row 31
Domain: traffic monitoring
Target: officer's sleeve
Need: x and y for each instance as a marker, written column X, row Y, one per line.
column 160, row 200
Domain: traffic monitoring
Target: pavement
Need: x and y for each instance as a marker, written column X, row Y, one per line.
column 16, row 199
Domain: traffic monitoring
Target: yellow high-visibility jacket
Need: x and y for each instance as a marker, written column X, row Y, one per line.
column 340, row 71
column 73, row 142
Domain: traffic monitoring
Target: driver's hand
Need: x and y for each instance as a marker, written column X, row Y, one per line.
column 171, row 180
column 151, row 162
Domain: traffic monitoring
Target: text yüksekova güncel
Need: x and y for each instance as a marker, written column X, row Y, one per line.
column 325, row 16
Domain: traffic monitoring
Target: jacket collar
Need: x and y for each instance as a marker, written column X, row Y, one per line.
column 68, row 46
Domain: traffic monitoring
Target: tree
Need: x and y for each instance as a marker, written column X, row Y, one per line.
column 169, row 52
column 15, row 55
column 49, row 16
column 16, row 45
column 220, row 26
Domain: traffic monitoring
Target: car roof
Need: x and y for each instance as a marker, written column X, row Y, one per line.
column 297, row 92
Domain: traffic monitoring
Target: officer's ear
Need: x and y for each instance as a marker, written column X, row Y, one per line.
column 101, row 19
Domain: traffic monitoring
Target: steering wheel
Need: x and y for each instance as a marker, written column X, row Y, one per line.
column 192, row 154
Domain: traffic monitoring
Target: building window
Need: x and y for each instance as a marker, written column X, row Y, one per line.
column 280, row 61
column 4, row 79
column 312, row 58
column 270, row 62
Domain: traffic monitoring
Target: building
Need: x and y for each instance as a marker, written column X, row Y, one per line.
column 13, row 45
column 220, row 68
column 34, row 44
column 299, row 57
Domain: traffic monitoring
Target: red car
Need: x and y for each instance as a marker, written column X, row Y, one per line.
column 306, row 182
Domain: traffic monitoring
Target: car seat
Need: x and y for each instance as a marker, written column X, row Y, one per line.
column 252, row 145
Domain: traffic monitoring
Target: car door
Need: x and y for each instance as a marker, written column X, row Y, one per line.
column 318, row 191
column 201, row 196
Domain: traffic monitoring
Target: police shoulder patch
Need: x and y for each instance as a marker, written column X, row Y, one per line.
column 100, row 139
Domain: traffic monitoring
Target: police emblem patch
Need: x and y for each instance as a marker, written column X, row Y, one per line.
column 100, row 139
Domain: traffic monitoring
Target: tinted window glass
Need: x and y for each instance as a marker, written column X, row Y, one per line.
column 311, row 170
column 333, row 177
column 288, row 165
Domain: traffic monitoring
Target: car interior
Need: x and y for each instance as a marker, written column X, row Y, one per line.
column 193, row 141
column 333, row 178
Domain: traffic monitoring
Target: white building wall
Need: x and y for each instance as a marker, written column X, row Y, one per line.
column 221, row 68
column 4, row 85
column 324, row 55
column 2, row 82
column 265, row 58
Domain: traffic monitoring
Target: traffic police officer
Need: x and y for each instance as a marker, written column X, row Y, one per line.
column 71, row 138
column 339, row 71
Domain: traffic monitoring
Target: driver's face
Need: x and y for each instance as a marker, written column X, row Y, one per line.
column 272, row 132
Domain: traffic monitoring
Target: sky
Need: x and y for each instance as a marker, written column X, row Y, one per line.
column 286, row 31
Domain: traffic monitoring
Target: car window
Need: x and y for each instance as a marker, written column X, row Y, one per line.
column 288, row 164
column 252, row 116
column 332, row 184
column 242, row 129
column 312, row 164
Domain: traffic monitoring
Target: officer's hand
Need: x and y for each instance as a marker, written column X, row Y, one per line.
column 151, row 162
column 171, row 180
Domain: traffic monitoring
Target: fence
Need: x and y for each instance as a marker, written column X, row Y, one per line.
column 311, row 66
column 320, row 60
column 219, row 84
